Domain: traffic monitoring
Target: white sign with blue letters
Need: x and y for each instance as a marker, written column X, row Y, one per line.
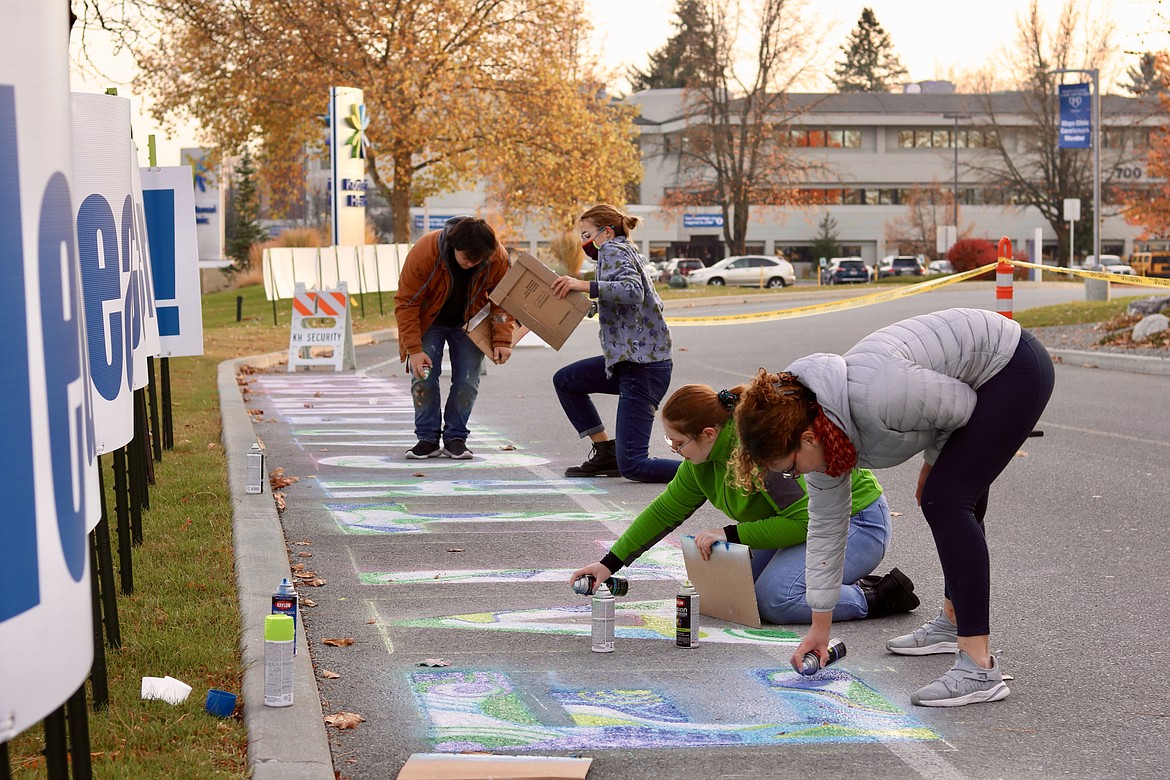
column 169, row 198
column 48, row 458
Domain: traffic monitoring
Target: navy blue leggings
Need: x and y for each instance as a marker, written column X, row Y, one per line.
column 954, row 498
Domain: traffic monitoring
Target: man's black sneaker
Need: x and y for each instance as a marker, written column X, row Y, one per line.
column 457, row 449
column 602, row 462
column 424, row 450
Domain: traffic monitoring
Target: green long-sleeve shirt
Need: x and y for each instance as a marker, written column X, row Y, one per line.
column 760, row 522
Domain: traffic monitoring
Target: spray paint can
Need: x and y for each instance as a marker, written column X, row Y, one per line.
column 811, row 664
column 618, row 586
column 603, row 620
column 285, row 601
column 426, row 372
column 255, row 472
column 686, row 616
column 278, row 660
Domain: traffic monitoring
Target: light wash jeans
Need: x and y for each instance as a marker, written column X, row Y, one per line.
column 779, row 574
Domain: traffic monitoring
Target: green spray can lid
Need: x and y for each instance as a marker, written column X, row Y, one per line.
column 278, row 628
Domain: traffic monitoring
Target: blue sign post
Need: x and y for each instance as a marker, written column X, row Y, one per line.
column 1076, row 116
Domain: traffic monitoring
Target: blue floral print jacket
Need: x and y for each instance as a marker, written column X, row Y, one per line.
column 628, row 307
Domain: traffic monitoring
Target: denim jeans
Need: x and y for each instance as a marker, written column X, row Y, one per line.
column 639, row 388
column 466, row 360
column 779, row 574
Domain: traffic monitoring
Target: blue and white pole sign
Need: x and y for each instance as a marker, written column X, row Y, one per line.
column 48, row 458
column 1076, row 116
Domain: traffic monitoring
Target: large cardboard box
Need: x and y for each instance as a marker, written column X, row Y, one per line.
column 526, row 293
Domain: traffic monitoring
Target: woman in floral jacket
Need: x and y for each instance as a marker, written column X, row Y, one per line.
column 635, row 362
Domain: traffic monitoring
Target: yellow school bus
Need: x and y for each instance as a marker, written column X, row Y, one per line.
column 1151, row 263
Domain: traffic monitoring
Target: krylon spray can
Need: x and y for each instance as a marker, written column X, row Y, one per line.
column 811, row 664
column 285, row 601
column 686, row 616
column 603, row 620
column 278, row 661
column 618, row 586
column 254, row 473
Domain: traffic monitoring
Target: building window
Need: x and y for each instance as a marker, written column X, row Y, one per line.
column 852, row 197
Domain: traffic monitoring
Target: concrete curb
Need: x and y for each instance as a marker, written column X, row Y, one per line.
column 288, row 743
column 1111, row 361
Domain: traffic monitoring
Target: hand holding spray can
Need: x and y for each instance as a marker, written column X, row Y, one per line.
column 602, row 620
column 618, row 586
column 811, row 664
column 686, row 616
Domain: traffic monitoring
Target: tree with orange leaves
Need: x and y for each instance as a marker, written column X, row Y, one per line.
column 458, row 92
column 1149, row 206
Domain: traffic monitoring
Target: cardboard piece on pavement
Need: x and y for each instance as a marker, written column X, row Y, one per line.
column 479, row 330
column 526, row 293
column 462, row 766
column 725, row 585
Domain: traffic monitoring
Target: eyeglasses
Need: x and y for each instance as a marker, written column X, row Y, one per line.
column 678, row 449
column 791, row 471
column 590, row 236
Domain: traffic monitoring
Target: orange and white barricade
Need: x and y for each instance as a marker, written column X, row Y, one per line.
column 321, row 333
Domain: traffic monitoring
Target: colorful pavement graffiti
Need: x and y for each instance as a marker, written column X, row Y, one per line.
column 660, row 562
column 396, row 462
column 481, row 711
column 632, row 620
column 395, row 519
column 376, row 488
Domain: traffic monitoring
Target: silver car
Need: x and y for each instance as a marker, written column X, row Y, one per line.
column 747, row 271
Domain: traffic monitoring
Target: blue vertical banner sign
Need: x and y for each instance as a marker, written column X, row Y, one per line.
column 1076, row 116
column 49, row 462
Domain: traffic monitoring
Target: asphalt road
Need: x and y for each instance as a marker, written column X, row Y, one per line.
column 467, row 562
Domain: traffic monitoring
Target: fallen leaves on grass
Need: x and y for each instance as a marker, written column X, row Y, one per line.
column 344, row 720
column 328, row 675
column 344, row 641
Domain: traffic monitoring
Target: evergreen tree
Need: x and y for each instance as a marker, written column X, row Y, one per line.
column 825, row 244
column 683, row 58
column 245, row 229
column 870, row 64
column 1144, row 78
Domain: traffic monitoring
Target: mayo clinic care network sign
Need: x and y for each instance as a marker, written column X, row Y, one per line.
column 1076, row 116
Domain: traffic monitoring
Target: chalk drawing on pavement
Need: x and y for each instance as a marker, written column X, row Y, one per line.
column 395, row 519
column 660, row 562
column 482, row 711
column 632, row 620
column 397, row 463
column 376, row 488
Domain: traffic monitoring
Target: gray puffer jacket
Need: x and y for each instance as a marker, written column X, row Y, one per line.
column 900, row 391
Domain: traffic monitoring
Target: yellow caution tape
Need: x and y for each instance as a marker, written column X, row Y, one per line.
column 847, row 303
column 1148, row 281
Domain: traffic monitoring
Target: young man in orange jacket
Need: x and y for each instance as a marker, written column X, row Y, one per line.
column 444, row 282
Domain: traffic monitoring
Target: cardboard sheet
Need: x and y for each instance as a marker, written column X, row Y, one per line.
column 725, row 585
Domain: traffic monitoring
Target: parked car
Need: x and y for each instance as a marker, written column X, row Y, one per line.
column 1110, row 264
column 684, row 265
column 845, row 270
column 747, row 271
column 940, row 267
column 900, row 265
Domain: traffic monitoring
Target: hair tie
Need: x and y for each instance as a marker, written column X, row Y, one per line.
column 727, row 398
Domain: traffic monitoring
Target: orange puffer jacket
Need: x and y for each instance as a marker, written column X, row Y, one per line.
column 425, row 283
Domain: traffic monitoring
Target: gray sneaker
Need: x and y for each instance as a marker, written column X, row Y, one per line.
column 938, row 635
column 965, row 683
